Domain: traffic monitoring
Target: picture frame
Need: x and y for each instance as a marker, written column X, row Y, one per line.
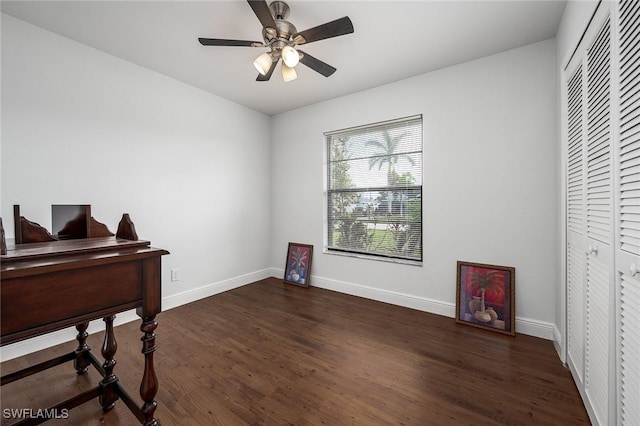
column 297, row 269
column 485, row 296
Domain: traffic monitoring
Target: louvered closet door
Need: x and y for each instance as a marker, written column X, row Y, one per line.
column 627, row 254
column 599, row 252
column 590, row 217
column 576, row 220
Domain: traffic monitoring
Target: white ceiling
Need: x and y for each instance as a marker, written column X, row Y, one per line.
column 392, row 40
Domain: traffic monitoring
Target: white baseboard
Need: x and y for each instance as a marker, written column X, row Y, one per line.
column 535, row 328
column 192, row 295
column 69, row 334
column 557, row 344
column 531, row 327
column 387, row 296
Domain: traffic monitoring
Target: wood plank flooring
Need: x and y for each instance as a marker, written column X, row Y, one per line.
column 275, row 354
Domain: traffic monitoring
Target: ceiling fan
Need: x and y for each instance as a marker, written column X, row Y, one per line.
column 282, row 39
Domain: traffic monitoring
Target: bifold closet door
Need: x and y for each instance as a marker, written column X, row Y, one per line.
column 590, row 216
column 599, row 251
column 627, row 254
column 576, row 224
column 602, row 84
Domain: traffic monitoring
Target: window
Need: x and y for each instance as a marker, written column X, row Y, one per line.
column 374, row 190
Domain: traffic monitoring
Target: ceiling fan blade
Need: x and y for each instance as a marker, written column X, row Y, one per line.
column 267, row 76
column 316, row 64
column 261, row 9
column 335, row 28
column 224, row 42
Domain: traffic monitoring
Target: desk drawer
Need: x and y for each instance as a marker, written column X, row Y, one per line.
column 40, row 300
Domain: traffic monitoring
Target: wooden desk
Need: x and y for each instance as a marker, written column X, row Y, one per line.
column 52, row 285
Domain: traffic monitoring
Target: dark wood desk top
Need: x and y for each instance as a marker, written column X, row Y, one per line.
column 20, row 251
column 40, row 258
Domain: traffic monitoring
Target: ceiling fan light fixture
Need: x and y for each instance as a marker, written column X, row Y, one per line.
column 290, row 56
column 288, row 73
column 263, row 63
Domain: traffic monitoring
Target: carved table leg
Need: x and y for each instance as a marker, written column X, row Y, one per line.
column 149, row 385
column 81, row 363
column 108, row 396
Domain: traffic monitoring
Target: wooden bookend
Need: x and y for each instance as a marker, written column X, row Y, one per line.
column 97, row 229
column 126, row 229
column 33, row 232
column 27, row 231
column 3, row 244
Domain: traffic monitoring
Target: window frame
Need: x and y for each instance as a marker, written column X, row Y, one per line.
column 414, row 187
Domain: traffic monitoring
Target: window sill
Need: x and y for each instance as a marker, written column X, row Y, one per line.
column 371, row 257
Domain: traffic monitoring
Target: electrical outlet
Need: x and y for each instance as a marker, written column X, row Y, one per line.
column 175, row 274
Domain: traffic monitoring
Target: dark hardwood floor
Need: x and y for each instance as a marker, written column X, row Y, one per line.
column 275, row 354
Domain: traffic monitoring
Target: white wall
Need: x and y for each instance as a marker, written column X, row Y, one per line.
column 193, row 170
column 574, row 21
column 490, row 182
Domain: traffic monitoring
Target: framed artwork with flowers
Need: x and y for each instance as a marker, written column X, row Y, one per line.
column 485, row 296
column 298, row 265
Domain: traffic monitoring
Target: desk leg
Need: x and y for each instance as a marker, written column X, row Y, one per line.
column 149, row 385
column 82, row 362
column 108, row 395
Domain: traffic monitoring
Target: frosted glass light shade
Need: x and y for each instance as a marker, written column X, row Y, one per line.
column 290, row 56
column 288, row 73
column 263, row 63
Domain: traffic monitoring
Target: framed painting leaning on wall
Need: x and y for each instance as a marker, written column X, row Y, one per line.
column 298, row 265
column 485, row 296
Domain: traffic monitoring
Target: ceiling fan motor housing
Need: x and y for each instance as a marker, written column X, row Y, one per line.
column 284, row 31
column 279, row 38
column 279, row 10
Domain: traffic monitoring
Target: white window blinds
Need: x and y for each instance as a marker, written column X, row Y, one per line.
column 374, row 189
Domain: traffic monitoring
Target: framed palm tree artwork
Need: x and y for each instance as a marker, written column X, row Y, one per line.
column 485, row 296
column 298, row 265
